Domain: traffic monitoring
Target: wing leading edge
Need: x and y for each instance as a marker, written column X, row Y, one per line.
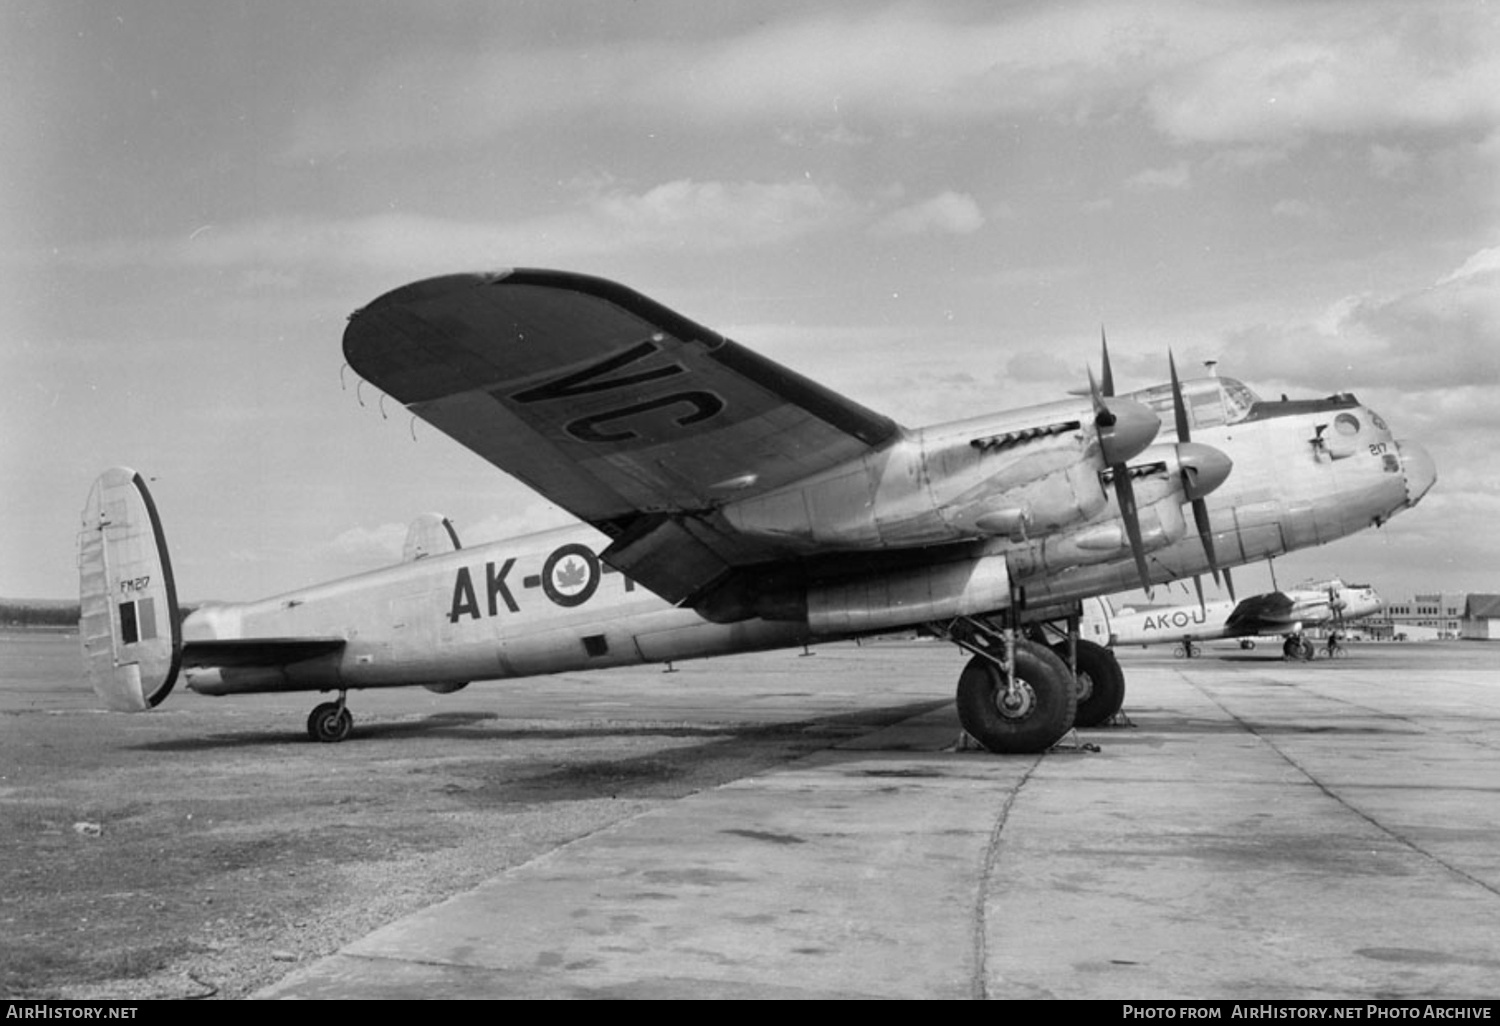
column 1262, row 614
column 625, row 413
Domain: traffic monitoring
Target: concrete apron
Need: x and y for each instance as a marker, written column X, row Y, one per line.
column 1199, row 856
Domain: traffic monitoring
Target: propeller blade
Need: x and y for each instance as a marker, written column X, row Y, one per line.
column 1206, row 533
column 1125, row 492
column 1103, row 416
column 1179, row 407
column 1200, row 508
column 1229, row 585
column 1109, row 374
column 1198, row 586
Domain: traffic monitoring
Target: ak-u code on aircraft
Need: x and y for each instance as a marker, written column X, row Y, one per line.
column 729, row 504
column 1284, row 614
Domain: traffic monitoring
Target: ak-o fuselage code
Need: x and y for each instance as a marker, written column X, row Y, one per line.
column 570, row 576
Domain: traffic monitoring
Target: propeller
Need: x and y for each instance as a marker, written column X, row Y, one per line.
column 1336, row 605
column 1195, row 483
column 1120, row 428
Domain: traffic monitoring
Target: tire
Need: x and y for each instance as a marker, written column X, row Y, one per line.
column 329, row 723
column 1048, row 702
column 1101, row 684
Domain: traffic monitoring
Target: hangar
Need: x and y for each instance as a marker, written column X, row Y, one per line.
column 1481, row 621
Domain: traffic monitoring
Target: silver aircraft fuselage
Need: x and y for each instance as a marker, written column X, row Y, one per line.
column 1306, row 472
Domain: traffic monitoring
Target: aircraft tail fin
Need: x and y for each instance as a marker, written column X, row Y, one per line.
column 128, row 621
column 429, row 535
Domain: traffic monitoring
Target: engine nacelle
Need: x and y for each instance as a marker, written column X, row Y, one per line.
column 446, row 688
column 906, row 597
column 1162, row 524
column 1165, row 477
column 964, row 481
column 1050, row 501
column 885, row 599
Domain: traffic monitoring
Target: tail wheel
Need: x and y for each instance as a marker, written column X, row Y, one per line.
column 1031, row 716
column 330, row 722
column 1101, row 683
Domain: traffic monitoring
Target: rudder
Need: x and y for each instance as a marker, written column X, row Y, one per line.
column 128, row 621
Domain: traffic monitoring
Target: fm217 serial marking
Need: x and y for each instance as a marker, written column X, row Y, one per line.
column 729, row 504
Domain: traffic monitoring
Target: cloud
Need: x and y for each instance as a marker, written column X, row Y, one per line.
column 1261, row 74
column 716, row 214
column 683, row 214
column 1178, row 176
column 948, row 213
column 1038, row 366
column 1329, row 69
column 1298, row 210
column 369, row 546
column 1391, row 162
column 1481, row 266
column 1438, row 337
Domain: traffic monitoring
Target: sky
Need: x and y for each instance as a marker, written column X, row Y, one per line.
column 931, row 208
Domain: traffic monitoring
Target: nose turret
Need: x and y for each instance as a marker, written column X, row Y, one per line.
column 1418, row 469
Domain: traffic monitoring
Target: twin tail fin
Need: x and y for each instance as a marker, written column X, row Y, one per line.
column 129, row 622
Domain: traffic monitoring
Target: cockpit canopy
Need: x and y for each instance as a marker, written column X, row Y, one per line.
column 1215, row 401
column 1210, row 402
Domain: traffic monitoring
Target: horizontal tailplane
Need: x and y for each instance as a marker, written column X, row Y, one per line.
column 128, row 620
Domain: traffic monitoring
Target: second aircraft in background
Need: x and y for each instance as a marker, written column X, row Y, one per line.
column 1276, row 613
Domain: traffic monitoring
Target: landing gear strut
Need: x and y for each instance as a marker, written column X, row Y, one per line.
column 1101, row 682
column 330, row 721
column 1015, row 696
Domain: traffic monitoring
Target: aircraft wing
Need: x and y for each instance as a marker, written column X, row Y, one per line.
column 628, row 415
column 1262, row 614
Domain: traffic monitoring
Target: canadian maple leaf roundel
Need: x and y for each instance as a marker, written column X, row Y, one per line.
column 571, row 573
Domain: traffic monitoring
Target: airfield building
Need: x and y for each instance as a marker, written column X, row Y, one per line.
column 1419, row 617
column 1481, row 620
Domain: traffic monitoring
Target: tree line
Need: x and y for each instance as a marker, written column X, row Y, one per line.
column 38, row 614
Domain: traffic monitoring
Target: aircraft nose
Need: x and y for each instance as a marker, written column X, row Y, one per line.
column 1419, row 470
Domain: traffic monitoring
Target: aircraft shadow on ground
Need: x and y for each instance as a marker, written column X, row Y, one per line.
column 489, row 728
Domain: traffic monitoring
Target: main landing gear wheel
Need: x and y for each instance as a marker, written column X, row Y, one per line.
column 330, row 722
column 1029, row 717
column 1101, row 683
column 1298, row 648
